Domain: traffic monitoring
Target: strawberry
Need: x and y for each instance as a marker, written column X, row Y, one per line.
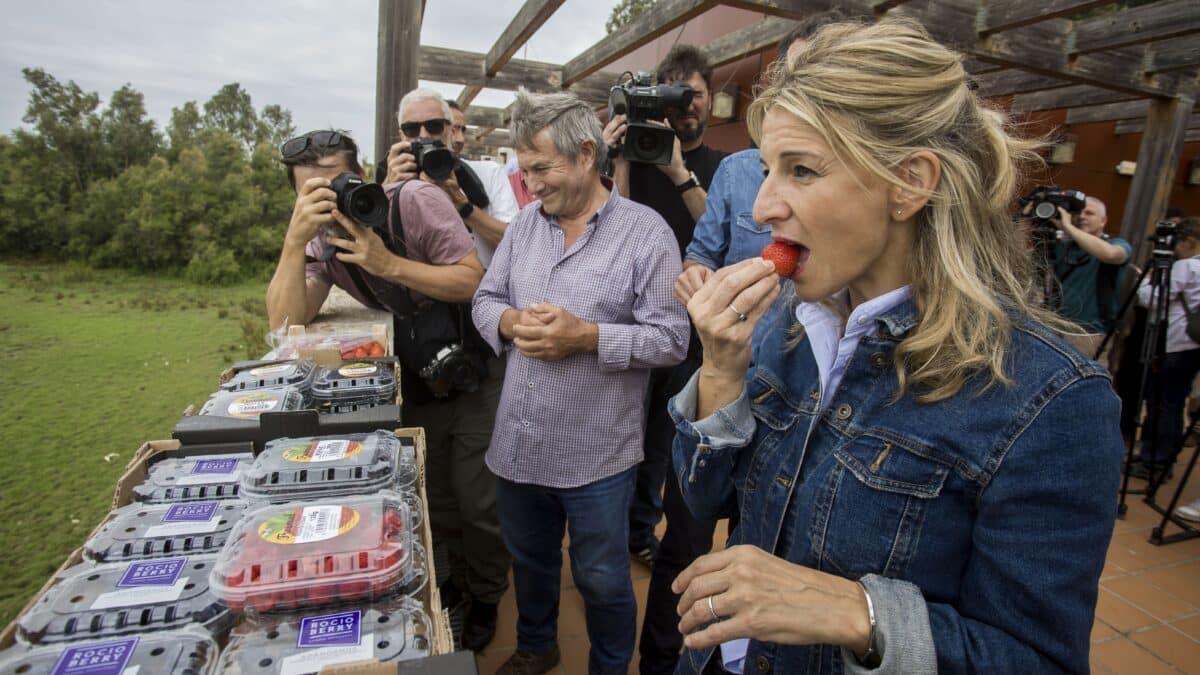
column 783, row 256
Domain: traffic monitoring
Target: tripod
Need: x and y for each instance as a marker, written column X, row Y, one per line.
column 1153, row 349
column 1188, row 531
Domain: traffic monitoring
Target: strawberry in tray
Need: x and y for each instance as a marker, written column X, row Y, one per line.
column 304, row 554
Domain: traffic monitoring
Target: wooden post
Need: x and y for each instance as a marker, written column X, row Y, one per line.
column 395, row 66
column 1162, row 145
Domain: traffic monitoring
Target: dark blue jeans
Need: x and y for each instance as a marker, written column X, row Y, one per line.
column 1173, row 378
column 532, row 520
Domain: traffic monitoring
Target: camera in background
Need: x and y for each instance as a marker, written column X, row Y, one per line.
column 433, row 158
column 640, row 101
column 1047, row 199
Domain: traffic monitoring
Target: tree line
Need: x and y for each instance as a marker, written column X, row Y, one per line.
column 206, row 197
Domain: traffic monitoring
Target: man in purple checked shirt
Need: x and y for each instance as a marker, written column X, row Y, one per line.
column 579, row 294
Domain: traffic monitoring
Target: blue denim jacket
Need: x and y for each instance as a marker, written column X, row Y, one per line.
column 727, row 233
column 978, row 524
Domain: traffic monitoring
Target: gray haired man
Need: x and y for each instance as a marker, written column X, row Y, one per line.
column 462, row 491
column 579, row 295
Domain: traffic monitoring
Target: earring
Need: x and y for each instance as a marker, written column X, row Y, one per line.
column 898, row 212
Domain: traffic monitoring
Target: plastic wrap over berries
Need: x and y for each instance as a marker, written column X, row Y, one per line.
column 293, row 643
column 114, row 599
column 307, row 554
column 182, row 652
column 140, row 531
column 199, row 478
column 317, row 467
column 298, row 374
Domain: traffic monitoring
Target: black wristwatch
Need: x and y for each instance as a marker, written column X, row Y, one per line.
column 466, row 210
column 691, row 182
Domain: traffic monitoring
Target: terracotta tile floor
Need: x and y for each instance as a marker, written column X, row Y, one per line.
column 1147, row 617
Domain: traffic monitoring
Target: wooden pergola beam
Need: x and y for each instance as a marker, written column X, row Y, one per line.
column 467, row 95
column 527, row 21
column 1073, row 96
column 1157, row 159
column 1012, row 81
column 1046, row 47
column 492, row 137
column 976, row 67
column 481, row 116
column 1108, row 112
column 1180, row 52
column 454, row 66
column 884, row 5
column 395, row 65
column 1000, row 15
column 653, row 22
column 747, row 41
column 1137, row 25
column 1138, row 126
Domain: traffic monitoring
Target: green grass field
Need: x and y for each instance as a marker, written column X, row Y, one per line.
column 95, row 363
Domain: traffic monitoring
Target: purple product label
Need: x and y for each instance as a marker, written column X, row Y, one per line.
column 200, row 512
column 328, row 630
column 225, row 465
column 152, row 573
column 105, row 658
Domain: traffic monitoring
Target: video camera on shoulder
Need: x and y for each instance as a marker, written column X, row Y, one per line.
column 365, row 203
column 640, row 101
column 1046, row 201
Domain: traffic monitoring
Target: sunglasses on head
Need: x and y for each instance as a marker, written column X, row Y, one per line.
column 295, row 147
column 413, row 129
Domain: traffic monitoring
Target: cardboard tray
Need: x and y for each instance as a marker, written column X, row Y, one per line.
column 138, row 469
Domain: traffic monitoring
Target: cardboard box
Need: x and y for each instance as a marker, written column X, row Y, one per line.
column 457, row 663
column 138, row 468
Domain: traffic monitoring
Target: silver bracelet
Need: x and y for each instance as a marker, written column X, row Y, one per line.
column 870, row 658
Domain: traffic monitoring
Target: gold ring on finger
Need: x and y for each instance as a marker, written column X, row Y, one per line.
column 740, row 314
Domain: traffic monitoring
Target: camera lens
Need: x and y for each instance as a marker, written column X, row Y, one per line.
column 361, row 204
column 647, row 145
column 1045, row 210
column 438, row 163
column 365, row 202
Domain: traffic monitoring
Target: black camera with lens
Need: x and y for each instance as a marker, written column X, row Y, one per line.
column 433, row 158
column 454, row 368
column 1046, row 201
column 363, row 202
column 1166, row 236
column 641, row 101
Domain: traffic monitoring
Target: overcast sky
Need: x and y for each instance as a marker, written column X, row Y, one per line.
column 317, row 59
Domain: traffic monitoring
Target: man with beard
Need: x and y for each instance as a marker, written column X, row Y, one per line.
column 677, row 191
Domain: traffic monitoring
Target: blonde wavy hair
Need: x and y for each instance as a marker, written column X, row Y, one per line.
column 876, row 94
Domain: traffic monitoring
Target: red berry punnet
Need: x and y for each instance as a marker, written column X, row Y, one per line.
column 784, row 256
column 312, row 553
